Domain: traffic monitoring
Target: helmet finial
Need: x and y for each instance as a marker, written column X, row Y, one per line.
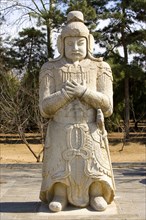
column 75, row 16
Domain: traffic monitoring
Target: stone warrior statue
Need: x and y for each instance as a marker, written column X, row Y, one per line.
column 75, row 95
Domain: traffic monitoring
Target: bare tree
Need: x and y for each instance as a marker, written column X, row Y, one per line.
column 43, row 12
column 14, row 118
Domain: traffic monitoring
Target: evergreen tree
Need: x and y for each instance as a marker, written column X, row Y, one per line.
column 122, row 30
column 46, row 13
column 30, row 50
column 26, row 56
column 85, row 7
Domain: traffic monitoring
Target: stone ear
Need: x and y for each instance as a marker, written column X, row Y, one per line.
column 90, row 43
column 60, row 44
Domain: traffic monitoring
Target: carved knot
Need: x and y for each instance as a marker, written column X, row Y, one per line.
column 71, row 153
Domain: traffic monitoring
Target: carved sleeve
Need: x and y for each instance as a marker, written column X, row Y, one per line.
column 50, row 101
column 103, row 97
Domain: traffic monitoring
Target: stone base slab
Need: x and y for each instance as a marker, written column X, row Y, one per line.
column 72, row 212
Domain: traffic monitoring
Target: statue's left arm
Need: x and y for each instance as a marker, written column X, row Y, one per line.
column 103, row 97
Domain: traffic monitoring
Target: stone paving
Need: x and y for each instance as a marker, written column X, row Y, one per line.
column 20, row 185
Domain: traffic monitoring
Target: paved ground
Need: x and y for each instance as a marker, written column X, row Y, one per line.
column 20, row 185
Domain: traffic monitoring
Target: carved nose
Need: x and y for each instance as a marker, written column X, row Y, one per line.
column 75, row 47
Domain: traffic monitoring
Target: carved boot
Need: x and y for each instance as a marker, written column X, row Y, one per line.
column 97, row 201
column 59, row 201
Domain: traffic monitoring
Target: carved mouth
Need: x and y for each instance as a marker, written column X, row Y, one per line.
column 75, row 53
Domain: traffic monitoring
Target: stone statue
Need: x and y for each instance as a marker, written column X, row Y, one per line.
column 75, row 95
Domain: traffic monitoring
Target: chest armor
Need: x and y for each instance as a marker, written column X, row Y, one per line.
column 86, row 74
column 81, row 74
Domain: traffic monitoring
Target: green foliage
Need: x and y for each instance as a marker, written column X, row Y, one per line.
column 32, row 54
column 48, row 14
column 87, row 9
column 137, row 87
column 28, row 52
column 124, row 28
column 20, row 100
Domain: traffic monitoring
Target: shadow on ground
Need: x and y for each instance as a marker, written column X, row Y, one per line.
column 19, row 207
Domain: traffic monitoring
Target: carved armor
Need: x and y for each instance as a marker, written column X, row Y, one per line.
column 75, row 152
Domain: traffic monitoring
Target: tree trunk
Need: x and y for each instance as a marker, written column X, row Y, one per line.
column 126, row 81
column 49, row 32
column 127, row 109
column 49, row 41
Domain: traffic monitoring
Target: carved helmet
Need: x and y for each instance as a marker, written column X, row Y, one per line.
column 75, row 27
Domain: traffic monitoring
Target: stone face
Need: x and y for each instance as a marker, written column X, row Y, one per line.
column 75, row 95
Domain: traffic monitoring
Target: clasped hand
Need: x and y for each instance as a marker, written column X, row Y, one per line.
column 74, row 89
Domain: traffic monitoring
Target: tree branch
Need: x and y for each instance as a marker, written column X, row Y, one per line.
column 43, row 5
column 36, row 6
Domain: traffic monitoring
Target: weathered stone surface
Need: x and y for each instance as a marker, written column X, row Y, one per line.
column 75, row 95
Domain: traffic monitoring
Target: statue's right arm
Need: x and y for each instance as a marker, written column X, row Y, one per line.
column 50, row 100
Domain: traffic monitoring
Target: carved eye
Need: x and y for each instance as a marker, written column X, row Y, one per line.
column 80, row 43
column 70, row 43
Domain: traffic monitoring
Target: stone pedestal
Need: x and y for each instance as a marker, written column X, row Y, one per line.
column 74, row 213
